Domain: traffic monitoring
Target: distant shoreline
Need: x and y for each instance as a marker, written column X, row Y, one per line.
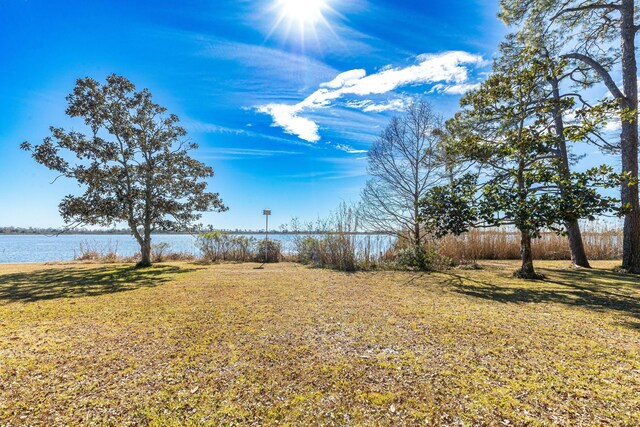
column 184, row 233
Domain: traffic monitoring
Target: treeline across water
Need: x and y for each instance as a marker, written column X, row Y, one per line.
column 50, row 231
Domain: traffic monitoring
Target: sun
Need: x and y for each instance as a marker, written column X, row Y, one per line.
column 302, row 11
column 301, row 17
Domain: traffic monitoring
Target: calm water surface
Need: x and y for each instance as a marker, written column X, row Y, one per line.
column 42, row 248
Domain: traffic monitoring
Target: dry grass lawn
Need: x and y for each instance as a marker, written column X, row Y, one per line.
column 187, row 344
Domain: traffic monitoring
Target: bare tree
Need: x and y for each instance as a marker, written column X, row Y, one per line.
column 404, row 162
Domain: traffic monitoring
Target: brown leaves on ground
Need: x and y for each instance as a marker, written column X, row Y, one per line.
column 186, row 344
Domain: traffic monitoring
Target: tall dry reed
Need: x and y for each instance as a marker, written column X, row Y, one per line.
column 602, row 242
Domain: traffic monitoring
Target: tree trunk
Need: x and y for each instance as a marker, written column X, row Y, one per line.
column 145, row 251
column 145, row 247
column 629, row 139
column 145, row 244
column 526, row 255
column 576, row 245
column 578, row 253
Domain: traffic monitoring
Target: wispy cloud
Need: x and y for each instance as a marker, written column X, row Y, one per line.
column 196, row 126
column 203, row 127
column 455, row 89
column 334, row 168
column 369, row 106
column 259, row 71
column 451, row 68
column 348, row 149
column 346, row 168
column 245, row 153
column 253, row 152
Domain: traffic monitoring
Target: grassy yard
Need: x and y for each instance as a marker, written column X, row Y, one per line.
column 188, row 344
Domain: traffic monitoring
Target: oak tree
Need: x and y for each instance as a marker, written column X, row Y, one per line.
column 134, row 164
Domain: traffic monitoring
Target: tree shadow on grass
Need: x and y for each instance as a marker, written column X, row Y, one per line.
column 75, row 282
column 599, row 290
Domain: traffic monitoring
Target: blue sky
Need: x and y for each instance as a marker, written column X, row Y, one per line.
column 284, row 101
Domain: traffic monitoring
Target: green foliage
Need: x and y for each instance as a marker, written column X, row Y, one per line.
column 450, row 208
column 159, row 250
column 536, row 205
column 405, row 255
column 221, row 246
column 268, row 251
column 521, row 179
column 599, row 37
column 134, row 165
column 422, row 258
column 309, row 250
column 590, row 118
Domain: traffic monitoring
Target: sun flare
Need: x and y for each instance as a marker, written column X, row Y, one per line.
column 304, row 18
column 302, row 11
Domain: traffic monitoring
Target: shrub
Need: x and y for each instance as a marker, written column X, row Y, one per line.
column 211, row 245
column 89, row 251
column 241, row 248
column 268, row 251
column 179, row 256
column 219, row 246
column 334, row 242
column 425, row 257
column 158, row 251
column 412, row 257
column 340, row 251
column 309, row 251
column 336, row 246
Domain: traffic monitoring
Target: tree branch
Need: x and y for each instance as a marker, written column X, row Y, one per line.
column 598, row 68
column 587, row 7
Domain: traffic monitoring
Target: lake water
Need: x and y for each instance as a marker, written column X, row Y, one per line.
column 43, row 248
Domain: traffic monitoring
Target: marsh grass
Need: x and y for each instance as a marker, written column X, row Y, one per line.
column 93, row 252
column 602, row 242
column 226, row 344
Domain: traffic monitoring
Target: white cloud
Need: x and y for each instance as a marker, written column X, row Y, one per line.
column 348, row 78
column 613, row 125
column 285, row 116
column 449, row 67
column 367, row 106
column 196, row 126
column 456, row 89
column 349, row 149
column 254, row 152
column 204, row 127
